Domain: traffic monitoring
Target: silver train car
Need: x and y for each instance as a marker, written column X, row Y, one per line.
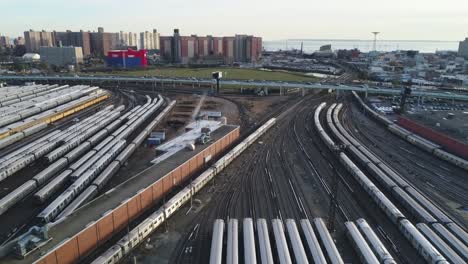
column 123, row 246
column 419, row 242
column 87, row 172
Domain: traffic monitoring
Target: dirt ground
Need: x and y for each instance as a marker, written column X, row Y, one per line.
column 173, row 125
column 233, row 108
column 257, row 106
column 227, row 108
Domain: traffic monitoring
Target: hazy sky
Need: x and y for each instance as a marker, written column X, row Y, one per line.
column 271, row 19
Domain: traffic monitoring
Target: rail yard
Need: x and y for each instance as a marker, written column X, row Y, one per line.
column 298, row 176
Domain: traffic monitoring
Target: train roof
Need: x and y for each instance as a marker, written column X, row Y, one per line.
column 103, row 204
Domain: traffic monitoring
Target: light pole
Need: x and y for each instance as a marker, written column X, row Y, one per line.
column 217, row 76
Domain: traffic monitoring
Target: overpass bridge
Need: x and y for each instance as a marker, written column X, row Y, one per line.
column 156, row 81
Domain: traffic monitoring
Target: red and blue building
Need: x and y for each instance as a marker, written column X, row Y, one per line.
column 127, row 58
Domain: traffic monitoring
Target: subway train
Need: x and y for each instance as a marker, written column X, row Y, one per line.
column 92, row 168
column 102, row 178
column 413, row 200
column 150, row 224
column 42, row 177
column 424, row 247
column 423, row 209
column 101, row 130
column 29, row 155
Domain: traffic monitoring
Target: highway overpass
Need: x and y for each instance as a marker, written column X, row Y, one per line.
column 96, row 80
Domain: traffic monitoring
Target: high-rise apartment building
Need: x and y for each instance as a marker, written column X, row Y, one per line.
column 128, row 39
column 32, row 40
column 146, row 41
column 229, row 49
column 149, row 40
column 165, row 50
column 102, row 42
column 19, row 41
column 156, row 39
column 193, row 49
column 463, row 48
column 36, row 39
column 77, row 39
column 216, row 45
column 96, row 43
column 5, row 41
column 247, row 48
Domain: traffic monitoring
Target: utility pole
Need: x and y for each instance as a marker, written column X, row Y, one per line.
column 404, row 94
column 333, row 197
column 217, row 76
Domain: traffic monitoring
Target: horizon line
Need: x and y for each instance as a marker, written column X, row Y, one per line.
column 337, row 39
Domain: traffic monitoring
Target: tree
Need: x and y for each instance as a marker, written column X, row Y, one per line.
column 19, row 50
column 18, row 66
column 43, row 66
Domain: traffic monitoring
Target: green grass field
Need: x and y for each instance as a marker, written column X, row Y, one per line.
column 228, row 73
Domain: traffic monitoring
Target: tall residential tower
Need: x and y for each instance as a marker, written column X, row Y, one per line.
column 463, row 49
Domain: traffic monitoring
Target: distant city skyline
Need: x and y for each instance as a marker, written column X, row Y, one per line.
column 271, row 19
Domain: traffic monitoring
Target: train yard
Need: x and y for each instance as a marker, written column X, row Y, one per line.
column 290, row 174
column 318, row 178
column 37, row 175
column 284, row 177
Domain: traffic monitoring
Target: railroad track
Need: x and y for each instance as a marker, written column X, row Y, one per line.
column 418, row 167
column 321, row 176
column 354, row 202
column 350, row 204
column 269, row 181
column 418, row 214
column 234, row 196
column 62, row 123
column 23, row 215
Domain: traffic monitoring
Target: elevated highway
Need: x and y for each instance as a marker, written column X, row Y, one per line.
column 157, row 81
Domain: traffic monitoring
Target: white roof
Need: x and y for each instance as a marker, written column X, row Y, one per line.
column 173, row 146
column 32, row 56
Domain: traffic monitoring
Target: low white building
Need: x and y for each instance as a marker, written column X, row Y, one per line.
column 31, row 57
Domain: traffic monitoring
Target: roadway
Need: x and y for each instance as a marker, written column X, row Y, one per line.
column 240, row 83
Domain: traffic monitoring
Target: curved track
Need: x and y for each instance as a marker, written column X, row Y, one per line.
column 445, row 183
column 22, row 216
column 289, row 173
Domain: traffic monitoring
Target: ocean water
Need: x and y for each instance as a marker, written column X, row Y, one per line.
column 311, row 45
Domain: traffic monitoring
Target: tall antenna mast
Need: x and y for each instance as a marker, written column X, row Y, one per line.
column 374, row 48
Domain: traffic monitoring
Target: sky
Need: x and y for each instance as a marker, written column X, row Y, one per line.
column 270, row 19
